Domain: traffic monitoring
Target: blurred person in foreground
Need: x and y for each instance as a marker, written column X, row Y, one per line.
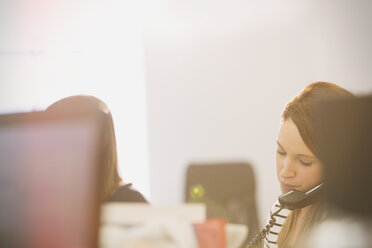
column 114, row 189
column 344, row 130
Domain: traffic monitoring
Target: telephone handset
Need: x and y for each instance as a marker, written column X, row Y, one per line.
column 295, row 199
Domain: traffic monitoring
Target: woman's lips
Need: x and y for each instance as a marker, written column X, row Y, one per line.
column 286, row 187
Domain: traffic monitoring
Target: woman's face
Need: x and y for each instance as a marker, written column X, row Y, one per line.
column 296, row 166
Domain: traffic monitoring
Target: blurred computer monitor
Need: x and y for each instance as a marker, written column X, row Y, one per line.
column 344, row 133
column 49, row 179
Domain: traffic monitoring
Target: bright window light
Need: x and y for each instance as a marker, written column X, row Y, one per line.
column 54, row 49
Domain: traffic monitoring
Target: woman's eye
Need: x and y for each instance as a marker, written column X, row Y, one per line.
column 306, row 163
column 280, row 152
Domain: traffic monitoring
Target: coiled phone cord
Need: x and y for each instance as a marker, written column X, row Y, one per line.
column 261, row 235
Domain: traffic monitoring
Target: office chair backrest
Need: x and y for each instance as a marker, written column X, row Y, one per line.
column 227, row 189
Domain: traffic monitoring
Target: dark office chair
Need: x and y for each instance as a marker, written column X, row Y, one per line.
column 227, row 189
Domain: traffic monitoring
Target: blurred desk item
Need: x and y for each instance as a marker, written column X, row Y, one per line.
column 211, row 233
column 134, row 213
column 130, row 225
column 49, row 180
column 342, row 232
column 235, row 235
column 216, row 233
column 136, row 225
column 228, row 191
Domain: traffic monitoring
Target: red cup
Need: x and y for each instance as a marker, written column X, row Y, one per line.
column 211, row 233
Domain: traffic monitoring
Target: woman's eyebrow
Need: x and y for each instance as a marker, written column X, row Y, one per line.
column 308, row 156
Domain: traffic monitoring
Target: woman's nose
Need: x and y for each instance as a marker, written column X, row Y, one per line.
column 288, row 170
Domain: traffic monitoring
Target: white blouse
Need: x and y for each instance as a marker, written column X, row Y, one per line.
column 271, row 238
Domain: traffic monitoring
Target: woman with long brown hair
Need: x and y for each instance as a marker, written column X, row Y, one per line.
column 297, row 166
column 114, row 189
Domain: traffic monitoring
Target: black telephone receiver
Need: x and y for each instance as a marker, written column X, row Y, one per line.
column 295, row 199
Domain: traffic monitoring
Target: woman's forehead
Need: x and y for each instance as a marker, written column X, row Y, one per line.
column 289, row 138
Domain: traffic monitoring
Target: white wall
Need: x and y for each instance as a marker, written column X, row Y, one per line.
column 54, row 49
column 219, row 74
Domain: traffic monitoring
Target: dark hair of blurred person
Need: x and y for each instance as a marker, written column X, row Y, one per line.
column 114, row 189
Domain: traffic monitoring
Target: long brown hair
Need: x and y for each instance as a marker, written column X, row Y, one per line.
column 86, row 104
column 300, row 110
